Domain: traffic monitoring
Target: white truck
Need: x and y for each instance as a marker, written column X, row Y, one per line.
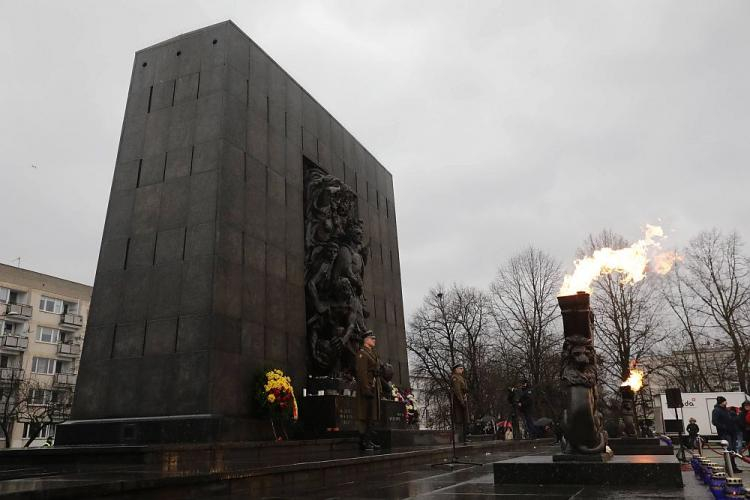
column 697, row 405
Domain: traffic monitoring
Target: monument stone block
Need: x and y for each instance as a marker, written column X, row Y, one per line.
column 204, row 268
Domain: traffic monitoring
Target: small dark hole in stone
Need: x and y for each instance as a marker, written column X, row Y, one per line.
column 215, row 41
column 178, row 53
column 145, row 64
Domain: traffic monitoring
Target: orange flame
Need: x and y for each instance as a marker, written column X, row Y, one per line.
column 635, row 380
column 632, row 263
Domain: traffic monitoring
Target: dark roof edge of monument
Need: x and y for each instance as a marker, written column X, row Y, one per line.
column 187, row 33
column 231, row 23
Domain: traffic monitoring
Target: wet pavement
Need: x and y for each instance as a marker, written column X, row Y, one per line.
column 463, row 482
column 441, row 481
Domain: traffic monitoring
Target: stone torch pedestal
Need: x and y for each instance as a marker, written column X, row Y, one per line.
column 586, row 458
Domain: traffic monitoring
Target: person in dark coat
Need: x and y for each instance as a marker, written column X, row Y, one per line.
column 692, row 430
column 459, row 398
column 368, row 391
column 726, row 426
column 526, row 407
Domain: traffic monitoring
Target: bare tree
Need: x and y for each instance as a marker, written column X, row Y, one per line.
column 677, row 366
column 686, row 356
column 12, row 400
column 451, row 327
column 524, row 307
column 472, row 309
column 628, row 323
column 716, row 285
column 43, row 407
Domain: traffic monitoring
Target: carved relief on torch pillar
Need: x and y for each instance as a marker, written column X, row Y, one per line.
column 630, row 429
column 581, row 422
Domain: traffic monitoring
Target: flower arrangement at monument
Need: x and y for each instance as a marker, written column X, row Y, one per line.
column 276, row 394
column 411, row 408
column 396, row 394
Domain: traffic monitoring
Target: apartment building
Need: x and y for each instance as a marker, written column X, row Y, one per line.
column 42, row 324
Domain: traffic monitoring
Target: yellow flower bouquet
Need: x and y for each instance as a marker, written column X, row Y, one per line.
column 277, row 393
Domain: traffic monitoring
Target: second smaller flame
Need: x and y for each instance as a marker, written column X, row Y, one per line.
column 635, row 380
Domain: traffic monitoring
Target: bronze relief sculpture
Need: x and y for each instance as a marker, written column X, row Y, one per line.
column 335, row 260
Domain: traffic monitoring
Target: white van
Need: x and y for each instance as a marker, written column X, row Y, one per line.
column 697, row 405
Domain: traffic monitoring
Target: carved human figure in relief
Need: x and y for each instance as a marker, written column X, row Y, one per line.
column 348, row 273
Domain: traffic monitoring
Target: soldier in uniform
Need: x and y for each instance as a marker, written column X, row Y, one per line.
column 368, row 390
column 459, row 393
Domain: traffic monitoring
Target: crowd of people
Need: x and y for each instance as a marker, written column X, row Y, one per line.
column 732, row 425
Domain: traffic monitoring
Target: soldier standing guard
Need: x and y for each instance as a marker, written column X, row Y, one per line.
column 459, row 392
column 368, row 390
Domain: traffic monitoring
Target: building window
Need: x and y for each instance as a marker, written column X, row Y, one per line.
column 46, row 334
column 50, row 305
column 7, row 328
column 45, row 366
column 41, row 396
column 57, row 306
column 47, row 431
column 8, row 296
column 7, row 362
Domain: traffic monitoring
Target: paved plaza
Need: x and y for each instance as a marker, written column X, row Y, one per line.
column 418, row 480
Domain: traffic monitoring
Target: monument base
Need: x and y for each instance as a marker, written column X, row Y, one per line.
column 633, row 471
column 338, row 413
column 328, row 413
column 579, row 457
column 640, row 446
column 204, row 428
column 407, row 438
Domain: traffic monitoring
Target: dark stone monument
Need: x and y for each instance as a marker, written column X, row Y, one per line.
column 233, row 242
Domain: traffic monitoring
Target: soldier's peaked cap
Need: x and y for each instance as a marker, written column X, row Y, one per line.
column 370, row 333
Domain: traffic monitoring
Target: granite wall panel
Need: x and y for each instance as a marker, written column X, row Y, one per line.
column 146, row 209
column 203, row 189
column 253, row 339
column 178, row 163
column 164, row 300
column 128, row 340
column 227, row 291
column 206, row 156
column 161, row 337
column 136, row 287
column 192, row 335
column 173, row 206
column 105, row 305
column 157, row 390
column 197, row 285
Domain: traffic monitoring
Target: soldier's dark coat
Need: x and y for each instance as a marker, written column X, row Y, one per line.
column 368, row 384
column 459, row 390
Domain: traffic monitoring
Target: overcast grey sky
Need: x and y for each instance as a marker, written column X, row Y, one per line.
column 504, row 123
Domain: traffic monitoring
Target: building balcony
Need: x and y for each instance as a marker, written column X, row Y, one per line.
column 19, row 312
column 14, row 342
column 11, row 374
column 71, row 321
column 69, row 349
column 65, row 379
